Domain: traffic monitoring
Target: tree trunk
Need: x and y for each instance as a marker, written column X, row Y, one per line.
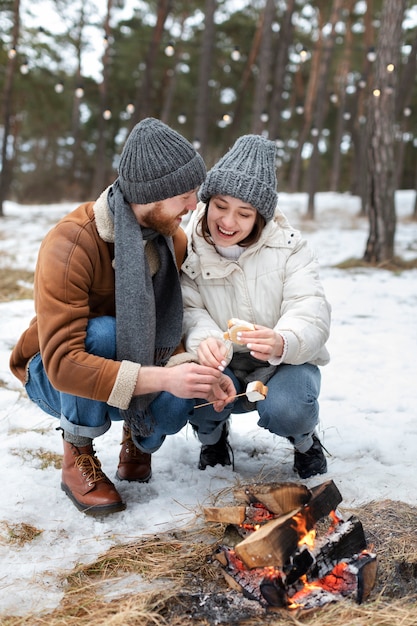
column 7, row 161
column 359, row 185
column 321, row 106
column 403, row 102
column 342, row 79
column 203, row 93
column 143, row 99
column 243, row 87
column 381, row 138
column 281, row 62
column 264, row 69
column 100, row 173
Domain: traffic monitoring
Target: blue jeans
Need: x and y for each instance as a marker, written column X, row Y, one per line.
column 91, row 418
column 289, row 410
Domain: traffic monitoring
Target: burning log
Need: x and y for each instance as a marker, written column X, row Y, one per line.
column 346, row 539
column 274, row 543
column 280, row 498
column 256, row 513
column 225, row 514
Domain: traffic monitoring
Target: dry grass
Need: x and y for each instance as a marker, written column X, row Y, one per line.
column 43, row 458
column 397, row 265
column 18, row 534
column 15, row 284
column 178, row 586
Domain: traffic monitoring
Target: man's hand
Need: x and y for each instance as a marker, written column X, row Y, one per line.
column 188, row 380
column 223, row 393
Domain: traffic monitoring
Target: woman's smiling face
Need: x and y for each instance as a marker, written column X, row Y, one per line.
column 229, row 220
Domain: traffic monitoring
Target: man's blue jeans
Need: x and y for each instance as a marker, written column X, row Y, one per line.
column 290, row 408
column 91, row 418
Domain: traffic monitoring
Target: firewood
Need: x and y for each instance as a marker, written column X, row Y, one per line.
column 272, row 544
column 279, row 498
column 225, row 514
column 276, row 541
column 324, row 498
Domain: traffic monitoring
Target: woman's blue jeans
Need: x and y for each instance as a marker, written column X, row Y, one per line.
column 290, row 408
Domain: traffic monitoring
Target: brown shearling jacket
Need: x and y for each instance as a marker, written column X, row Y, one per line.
column 74, row 282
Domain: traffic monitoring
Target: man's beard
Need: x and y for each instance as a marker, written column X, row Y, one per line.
column 160, row 222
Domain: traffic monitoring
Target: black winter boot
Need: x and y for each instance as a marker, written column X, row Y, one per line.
column 219, row 453
column 312, row 461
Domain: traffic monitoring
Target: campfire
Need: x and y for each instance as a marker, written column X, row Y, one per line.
column 287, row 546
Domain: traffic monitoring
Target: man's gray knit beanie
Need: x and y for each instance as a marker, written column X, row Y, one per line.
column 248, row 172
column 158, row 163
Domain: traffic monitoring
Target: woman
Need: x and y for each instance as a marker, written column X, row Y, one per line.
column 246, row 261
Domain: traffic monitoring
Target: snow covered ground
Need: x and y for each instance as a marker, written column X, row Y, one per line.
column 368, row 411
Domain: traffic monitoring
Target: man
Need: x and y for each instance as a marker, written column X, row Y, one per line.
column 105, row 342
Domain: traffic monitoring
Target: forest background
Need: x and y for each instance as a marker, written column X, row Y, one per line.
column 333, row 83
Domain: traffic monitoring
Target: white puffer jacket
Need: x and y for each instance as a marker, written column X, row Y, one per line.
column 275, row 283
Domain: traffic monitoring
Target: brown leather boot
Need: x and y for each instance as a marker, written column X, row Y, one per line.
column 86, row 484
column 134, row 465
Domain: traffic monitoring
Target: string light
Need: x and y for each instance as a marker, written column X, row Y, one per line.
column 182, row 118
column 59, row 87
column 170, row 49
column 264, row 117
column 79, row 92
column 24, row 68
column 371, row 54
column 130, row 108
column 235, row 54
column 390, row 67
column 107, row 114
column 376, row 92
column 407, row 112
column 12, row 53
column 303, row 54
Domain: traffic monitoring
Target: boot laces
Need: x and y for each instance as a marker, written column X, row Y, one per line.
column 90, row 467
column 130, row 447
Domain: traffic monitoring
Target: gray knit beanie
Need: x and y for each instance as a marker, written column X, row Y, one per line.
column 158, row 163
column 248, row 172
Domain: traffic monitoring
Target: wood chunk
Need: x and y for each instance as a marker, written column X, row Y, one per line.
column 225, row 514
column 324, row 498
column 367, row 571
column 279, row 498
column 347, row 539
column 272, row 544
column 276, row 541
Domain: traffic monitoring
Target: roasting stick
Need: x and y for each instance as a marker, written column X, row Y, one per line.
column 239, row 395
column 255, row 391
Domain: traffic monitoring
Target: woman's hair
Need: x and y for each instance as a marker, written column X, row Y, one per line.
column 245, row 243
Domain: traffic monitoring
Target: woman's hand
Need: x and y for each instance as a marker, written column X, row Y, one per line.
column 213, row 352
column 264, row 343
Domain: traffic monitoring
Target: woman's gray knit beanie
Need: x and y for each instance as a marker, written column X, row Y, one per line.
column 158, row 163
column 248, row 172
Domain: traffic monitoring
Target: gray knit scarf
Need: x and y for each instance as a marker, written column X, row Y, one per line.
column 148, row 309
